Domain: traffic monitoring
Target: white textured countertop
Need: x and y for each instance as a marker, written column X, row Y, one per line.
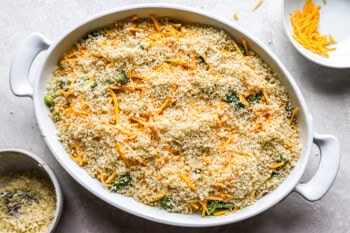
column 326, row 91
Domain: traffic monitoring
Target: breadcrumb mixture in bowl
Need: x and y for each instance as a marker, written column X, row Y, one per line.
column 27, row 203
column 175, row 115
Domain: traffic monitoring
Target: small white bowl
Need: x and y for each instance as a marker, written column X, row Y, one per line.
column 333, row 15
column 14, row 160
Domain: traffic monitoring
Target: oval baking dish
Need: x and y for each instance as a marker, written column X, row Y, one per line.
column 36, row 43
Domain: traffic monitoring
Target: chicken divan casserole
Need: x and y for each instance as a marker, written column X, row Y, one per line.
column 175, row 115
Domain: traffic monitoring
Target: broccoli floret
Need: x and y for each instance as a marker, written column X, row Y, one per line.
column 215, row 206
column 253, row 99
column 94, row 85
column 243, row 50
column 49, row 99
column 121, row 182
column 64, row 85
column 120, row 77
column 166, row 204
column 232, row 98
column 56, row 117
column 289, row 111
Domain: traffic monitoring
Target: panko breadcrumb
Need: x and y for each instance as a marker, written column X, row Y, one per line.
column 175, row 115
column 27, row 203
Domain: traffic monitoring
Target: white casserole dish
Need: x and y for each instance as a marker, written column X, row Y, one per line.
column 36, row 43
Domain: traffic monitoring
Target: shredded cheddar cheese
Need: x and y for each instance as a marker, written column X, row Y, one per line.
column 237, row 48
column 257, row 5
column 305, row 30
column 116, row 106
column 245, row 44
column 277, row 165
column 243, row 99
column 156, row 23
column 69, row 60
column 266, row 96
column 204, row 207
column 122, row 155
column 222, row 212
column 187, row 181
column 294, row 113
column 214, row 198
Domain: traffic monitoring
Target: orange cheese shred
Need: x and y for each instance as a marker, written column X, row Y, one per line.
column 267, row 99
column 243, row 99
column 222, row 212
column 245, row 45
column 204, row 207
column 237, row 48
column 277, row 165
column 213, row 198
column 155, row 22
column 257, row 5
column 187, row 181
column 294, row 113
column 167, row 102
column 116, row 105
column 122, row 155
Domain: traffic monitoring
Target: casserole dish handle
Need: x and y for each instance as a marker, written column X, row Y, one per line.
column 22, row 62
column 328, row 168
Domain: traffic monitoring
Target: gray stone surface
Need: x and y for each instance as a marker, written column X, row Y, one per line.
column 326, row 91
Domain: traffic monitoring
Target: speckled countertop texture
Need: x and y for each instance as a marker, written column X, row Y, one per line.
column 326, row 91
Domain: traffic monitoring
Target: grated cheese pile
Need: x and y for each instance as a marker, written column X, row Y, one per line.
column 175, row 115
column 305, row 28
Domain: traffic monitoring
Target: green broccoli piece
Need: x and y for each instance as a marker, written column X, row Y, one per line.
column 64, row 85
column 56, row 117
column 49, row 99
column 243, row 50
column 232, row 98
column 120, row 77
column 215, row 206
column 289, row 111
column 253, row 99
column 166, row 204
column 94, row 85
column 121, row 182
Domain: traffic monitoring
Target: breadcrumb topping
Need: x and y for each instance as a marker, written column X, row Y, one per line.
column 175, row 115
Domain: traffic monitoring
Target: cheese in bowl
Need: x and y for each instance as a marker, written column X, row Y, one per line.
column 177, row 116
